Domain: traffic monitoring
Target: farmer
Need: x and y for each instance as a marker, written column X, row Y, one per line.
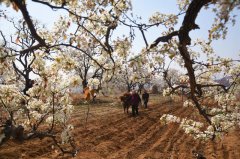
column 135, row 100
column 145, row 97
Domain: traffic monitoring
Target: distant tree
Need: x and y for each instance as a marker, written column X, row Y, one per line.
column 85, row 67
column 155, row 89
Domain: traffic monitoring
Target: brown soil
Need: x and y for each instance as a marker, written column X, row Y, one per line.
column 111, row 134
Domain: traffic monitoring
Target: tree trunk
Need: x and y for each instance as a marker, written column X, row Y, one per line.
column 84, row 83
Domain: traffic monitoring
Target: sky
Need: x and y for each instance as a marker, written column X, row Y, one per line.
column 145, row 8
column 225, row 48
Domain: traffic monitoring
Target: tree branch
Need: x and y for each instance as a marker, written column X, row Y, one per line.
column 163, row 39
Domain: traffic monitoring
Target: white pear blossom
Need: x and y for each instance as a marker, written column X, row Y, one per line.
column 93, row 83
column 166, row 92
column 188, row 103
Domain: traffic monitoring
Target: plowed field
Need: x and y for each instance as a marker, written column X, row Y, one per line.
column 111, row 134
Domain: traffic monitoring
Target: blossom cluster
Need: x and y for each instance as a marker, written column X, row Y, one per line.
column 182, row 4
column 189, row 126
column 184, row 79
column 122, row 46
column 66, row 135
column 166, row 92
column 168, row 20
column 188, row 103
column 168, row 118
column 93, row 83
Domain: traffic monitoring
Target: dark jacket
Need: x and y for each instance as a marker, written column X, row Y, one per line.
column 135, row 99
column 145, row 97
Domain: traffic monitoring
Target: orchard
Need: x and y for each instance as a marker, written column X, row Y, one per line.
column 91, row 43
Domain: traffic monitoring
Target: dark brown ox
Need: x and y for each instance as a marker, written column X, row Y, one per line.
column 126, row 101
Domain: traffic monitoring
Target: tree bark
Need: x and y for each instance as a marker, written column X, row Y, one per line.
column 184, row 40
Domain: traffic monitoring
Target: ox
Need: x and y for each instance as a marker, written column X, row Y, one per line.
column 126, row 101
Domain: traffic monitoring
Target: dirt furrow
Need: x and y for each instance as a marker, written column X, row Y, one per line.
column 111, row 134
column 165, row 143
column 148, row 137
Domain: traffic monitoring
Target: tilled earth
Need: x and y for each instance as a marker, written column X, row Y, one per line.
column 111, row 134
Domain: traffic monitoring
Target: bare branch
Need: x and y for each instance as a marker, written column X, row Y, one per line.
column 163, row 39
column 22, row 6
column 4, row 39
column 144, row 37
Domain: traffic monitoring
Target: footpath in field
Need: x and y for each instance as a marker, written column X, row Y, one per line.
column 111, row 134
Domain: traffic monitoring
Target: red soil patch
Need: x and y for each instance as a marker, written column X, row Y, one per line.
column 113, row 135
